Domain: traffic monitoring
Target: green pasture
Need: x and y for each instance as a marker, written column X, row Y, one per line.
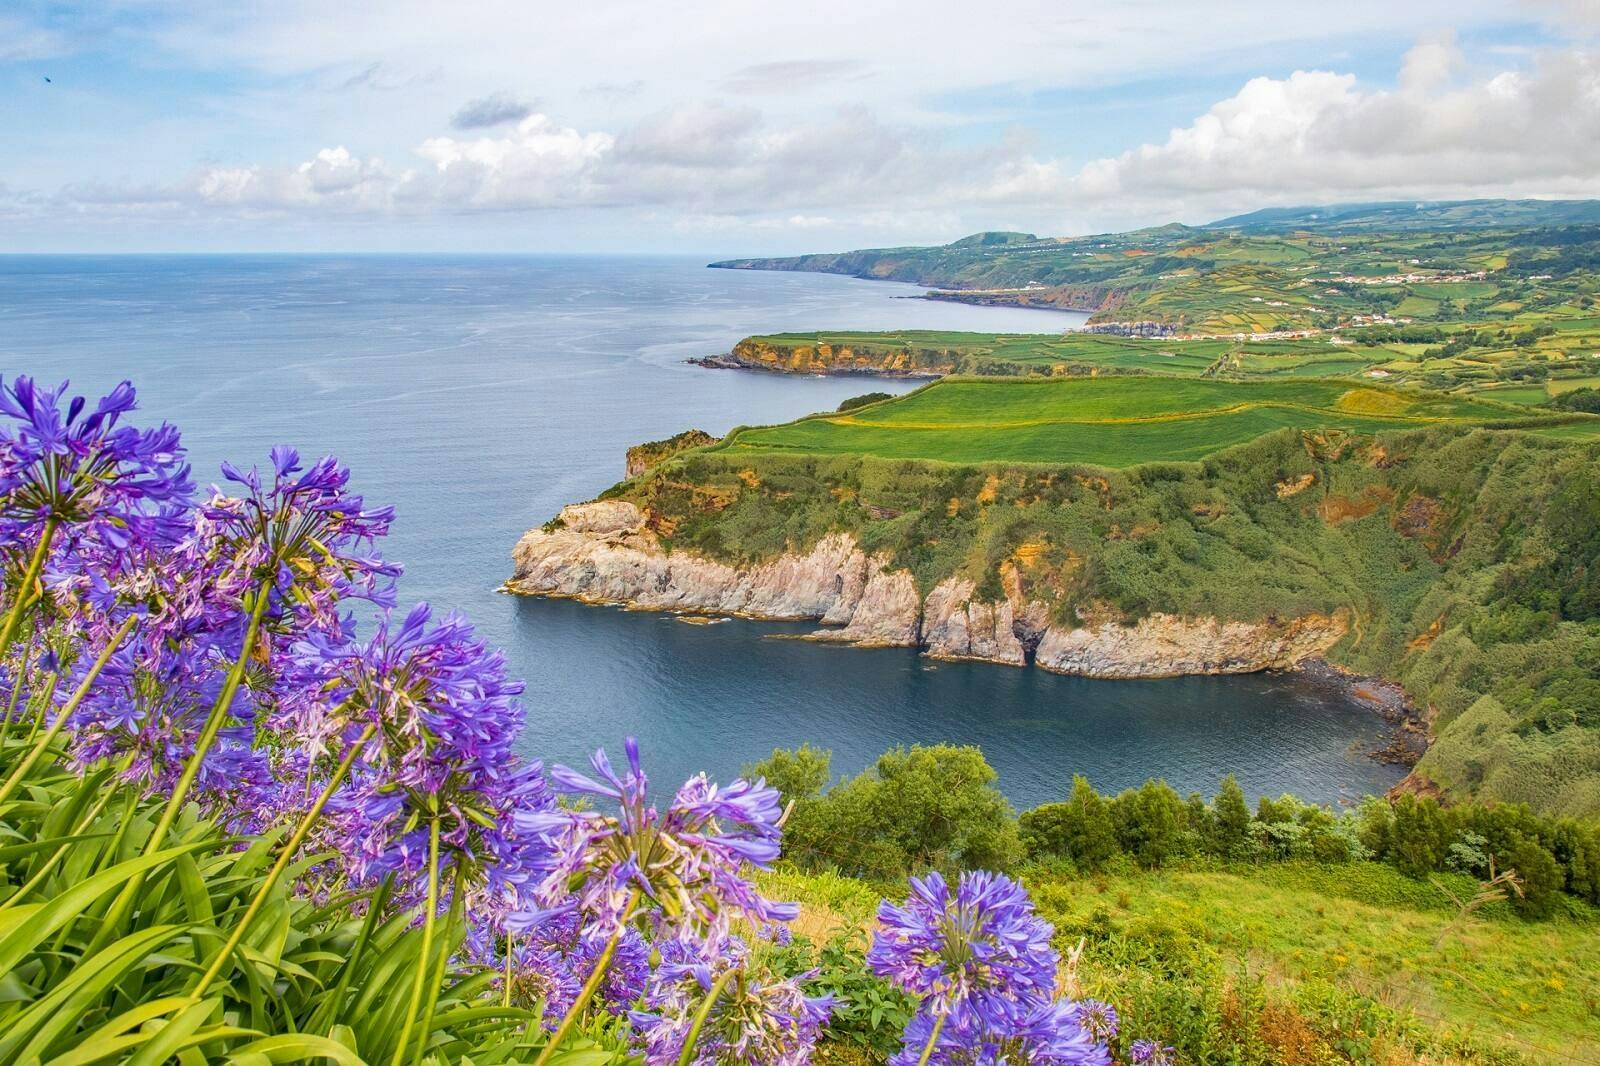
column 1112, row 421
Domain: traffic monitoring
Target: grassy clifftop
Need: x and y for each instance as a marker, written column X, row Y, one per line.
column 1466, row 555
column 1528, row 360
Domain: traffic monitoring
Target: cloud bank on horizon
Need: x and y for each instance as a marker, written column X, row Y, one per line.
column 499, row 125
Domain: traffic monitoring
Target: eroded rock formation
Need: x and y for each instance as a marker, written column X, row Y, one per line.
column 603, row 552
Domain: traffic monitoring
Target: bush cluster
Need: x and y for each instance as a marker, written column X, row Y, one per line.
column 937, row 808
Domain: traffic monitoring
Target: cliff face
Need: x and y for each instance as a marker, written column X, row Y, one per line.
column 603, row 553
column 824, row 358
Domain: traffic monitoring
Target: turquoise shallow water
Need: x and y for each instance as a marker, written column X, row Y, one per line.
column 479, row 394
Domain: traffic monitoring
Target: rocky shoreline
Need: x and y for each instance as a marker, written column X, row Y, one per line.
column 729, row 361
column 604, row 553
column 1409, row 729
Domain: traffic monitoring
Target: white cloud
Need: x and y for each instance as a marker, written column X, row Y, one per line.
column 332, row 177
column 1321, row 135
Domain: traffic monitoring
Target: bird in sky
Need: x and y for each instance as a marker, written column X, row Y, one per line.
column 47, row 80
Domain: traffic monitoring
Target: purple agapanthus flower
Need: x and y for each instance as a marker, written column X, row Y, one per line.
column 550, row 964
column 1098, row 1018
column 690, row 861
column 304, row 532
column 99, row 481
column 756, row 1017
column 978, row 950
column 982, row 963
column 442, row 717
column 1150, row 1053
column 145, row 714
column 1046, row 1034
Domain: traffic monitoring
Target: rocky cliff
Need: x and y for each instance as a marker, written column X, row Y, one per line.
column 603, row 552
column 642, row 457
column 755, row 353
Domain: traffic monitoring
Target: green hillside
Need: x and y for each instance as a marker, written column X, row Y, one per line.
column 1312, row 269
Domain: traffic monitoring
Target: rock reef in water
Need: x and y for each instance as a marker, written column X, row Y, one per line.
column 603, row 552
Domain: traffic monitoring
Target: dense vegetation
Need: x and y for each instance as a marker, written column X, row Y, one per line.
column 1282, row 932
column 233, row 827
column 937, row 807
column 1464, row 561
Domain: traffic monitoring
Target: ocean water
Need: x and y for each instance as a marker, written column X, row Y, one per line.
column 480, row 394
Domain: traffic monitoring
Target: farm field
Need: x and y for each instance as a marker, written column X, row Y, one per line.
column 1109, row 421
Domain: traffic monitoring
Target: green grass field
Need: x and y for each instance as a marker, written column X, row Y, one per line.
column 1357, row 951
column 1109, row 421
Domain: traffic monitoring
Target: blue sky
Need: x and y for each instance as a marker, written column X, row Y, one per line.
column 716, row 127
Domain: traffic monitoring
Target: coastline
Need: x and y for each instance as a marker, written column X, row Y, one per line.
column 599, row 557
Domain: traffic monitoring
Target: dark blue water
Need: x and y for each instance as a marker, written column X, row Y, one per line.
column 480, row 394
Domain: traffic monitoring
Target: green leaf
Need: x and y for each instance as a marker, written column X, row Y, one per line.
column 43, row 921
column 174, row 1035
column 294, row 1047
column 61, row 1008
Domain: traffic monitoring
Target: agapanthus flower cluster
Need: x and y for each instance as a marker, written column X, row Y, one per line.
column 1150, row 1053
column 690, row 861
column 303, row 533
column 99, row 482
column 551, row 962
column 435, row 717
column 982, row 963
column 145, row 716
column 755, row 1016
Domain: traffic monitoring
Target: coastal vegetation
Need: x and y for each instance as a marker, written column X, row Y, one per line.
column 1279, row 932
column 236, row 828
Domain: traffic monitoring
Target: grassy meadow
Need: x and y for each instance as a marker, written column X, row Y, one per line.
column 1108, row 421
column 1297, row 963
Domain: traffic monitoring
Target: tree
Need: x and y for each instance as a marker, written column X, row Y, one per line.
column 1079, row 829
column 1230, row 822
column 926, row 807
column 1419, row 838
column 940, row 804
column 800, row 774
column 1149, row 822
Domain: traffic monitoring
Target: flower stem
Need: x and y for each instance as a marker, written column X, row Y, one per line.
column 290, row 849
column 24, row 588
column 16, row 694
column 933, row 1038
column 458, row 898
column 43, row 743
column 425, row 960
column 590, row 987
column 191, row 770
column 213, row 725
column 506, row 999
column 37, row 702
column 687, row 1055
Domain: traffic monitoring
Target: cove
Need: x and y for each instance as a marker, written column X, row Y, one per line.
column 478, row 394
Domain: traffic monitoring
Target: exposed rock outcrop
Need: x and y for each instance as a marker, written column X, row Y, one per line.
column 823, row 358
column 603, row 552
column 642, row 457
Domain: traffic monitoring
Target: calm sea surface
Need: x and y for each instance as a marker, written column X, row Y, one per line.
column 478, row 395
